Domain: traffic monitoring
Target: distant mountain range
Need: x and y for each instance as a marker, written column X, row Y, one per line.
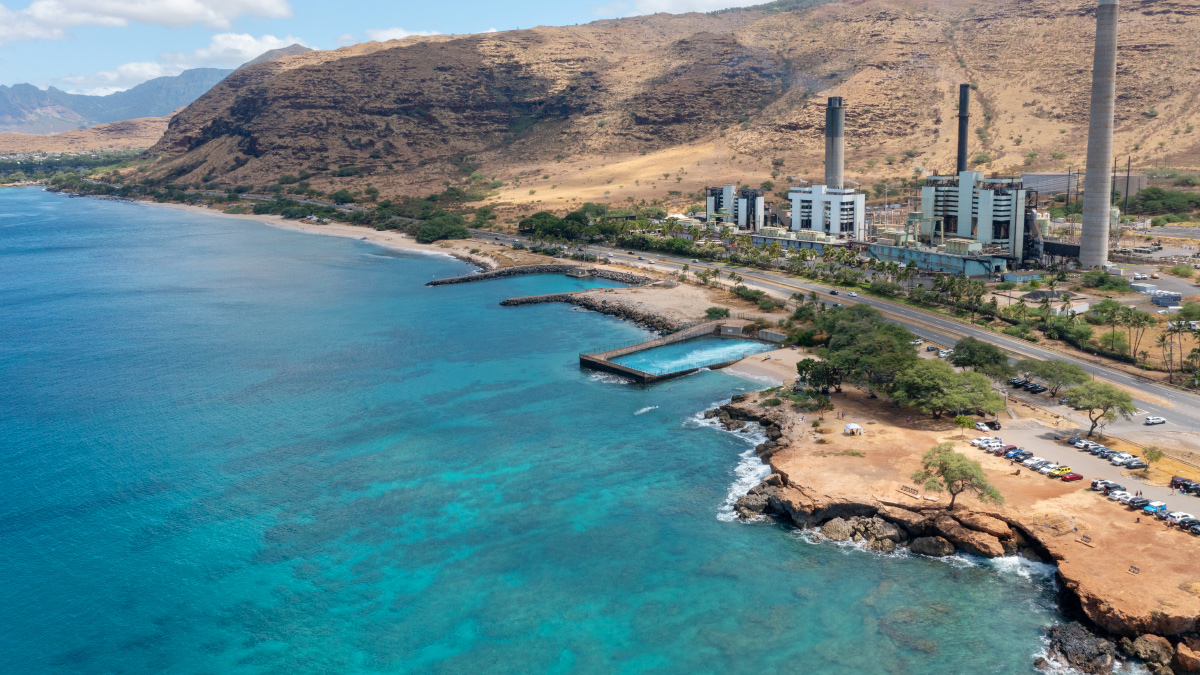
column 26, row 109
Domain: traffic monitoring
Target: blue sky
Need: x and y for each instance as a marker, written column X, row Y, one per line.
column 99, row 46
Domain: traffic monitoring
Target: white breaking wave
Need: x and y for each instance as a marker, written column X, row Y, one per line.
column 765, row 379
column 645, row 410
column 607, row 378
column 748, row 473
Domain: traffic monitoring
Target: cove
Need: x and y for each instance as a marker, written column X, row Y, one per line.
column 228, row 448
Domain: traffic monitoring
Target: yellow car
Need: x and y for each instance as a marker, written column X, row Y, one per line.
column 1060, row 472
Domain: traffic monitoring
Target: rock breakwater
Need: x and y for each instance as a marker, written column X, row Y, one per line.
column 587, row 300
column 598, row 272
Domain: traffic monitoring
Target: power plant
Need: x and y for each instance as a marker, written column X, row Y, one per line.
column 967, row 224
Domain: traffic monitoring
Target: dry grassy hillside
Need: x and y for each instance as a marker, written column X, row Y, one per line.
column 638, row 108
column 127, row 135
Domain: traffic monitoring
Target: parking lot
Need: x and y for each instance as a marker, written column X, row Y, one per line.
column 1041, row 442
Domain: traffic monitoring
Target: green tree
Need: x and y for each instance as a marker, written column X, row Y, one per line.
column 1055, row 373
column 982, row 357
column 714, row 313
column 964, row 423
column 1101, row 401
column 342, row 196
column 932, row 386
column 442, row 226
column 943, row 469
column 1152, row 455
column 819, row 374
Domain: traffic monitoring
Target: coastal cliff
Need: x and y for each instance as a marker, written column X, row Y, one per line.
column 1158, row 626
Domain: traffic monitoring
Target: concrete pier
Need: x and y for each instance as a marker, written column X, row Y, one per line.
column 726, row 328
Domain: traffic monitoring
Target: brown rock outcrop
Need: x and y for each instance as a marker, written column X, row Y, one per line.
column 1149, row 648
column 983, row 523
column 1186, row 660
column 970, row 541
column 935, row 547
column 914, row 523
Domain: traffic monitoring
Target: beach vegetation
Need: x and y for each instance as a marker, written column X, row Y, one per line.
column 714, row 313
column 444, row 226
column 964, row 422
column 945, row 470
column 933, row 386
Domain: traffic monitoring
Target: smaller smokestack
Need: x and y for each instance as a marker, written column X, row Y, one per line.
column 835, row 143
column 964, row 124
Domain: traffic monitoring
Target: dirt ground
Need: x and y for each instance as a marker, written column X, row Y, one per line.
column 876, row 464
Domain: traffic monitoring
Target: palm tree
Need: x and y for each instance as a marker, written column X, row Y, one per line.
column 1065, row 307
column 1137, row 323
column 1164, row 343
column 1022, row 310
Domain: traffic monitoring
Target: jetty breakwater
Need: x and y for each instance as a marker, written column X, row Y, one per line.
column 597, row 272
column 588, row 300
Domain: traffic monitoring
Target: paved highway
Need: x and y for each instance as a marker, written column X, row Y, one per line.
column 1178, row 407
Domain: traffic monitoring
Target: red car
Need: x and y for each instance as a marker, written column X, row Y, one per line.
column 1072, row 477
column 1003, row 451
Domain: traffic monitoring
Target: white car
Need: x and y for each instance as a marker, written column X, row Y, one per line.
column 944, row 353
column 1175, row 516
column 1120, row 458
column 1138, row 276
column 852, row 294
column 1048, row 468
column 1032, row 461
column 983, row 439
column 980, row 426
column 1155, row 420
column 916, row 342
column 1084, row 445
column 1116, row 495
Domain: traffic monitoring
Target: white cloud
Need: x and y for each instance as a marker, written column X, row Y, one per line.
column 224, row 50
column 640, row 7
column 50, row 19
column 345, row 40
column 385, row 34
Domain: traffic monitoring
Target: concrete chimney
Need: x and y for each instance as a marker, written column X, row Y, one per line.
column 964, row 125
column 835, row 143
column 1097, row 198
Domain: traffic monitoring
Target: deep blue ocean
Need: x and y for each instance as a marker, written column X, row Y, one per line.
column 228, row 448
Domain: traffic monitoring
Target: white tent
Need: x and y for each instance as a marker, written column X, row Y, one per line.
column 853, row 429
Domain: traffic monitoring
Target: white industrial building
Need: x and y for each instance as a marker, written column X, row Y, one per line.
column 835, row 212
column 744, row 208
column 988, row 211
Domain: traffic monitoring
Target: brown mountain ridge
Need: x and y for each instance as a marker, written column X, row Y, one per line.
column 636, row 108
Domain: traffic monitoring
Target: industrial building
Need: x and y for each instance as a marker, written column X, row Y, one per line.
column 836, row 212
column 987, row 212
column 745, row 208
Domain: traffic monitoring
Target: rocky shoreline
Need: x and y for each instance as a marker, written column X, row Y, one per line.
column 587, row 300
column 600, row 273
column 937, row 532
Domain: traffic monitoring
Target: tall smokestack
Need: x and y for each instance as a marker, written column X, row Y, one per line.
column 1097, row 197
column 835, row 143
column 964, row 125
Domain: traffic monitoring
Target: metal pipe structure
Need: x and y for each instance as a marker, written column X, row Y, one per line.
column 1097, row 195
column 964, row 125
column 835, row 143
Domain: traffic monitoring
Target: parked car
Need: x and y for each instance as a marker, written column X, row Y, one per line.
column 1047, row 468
column 1176, row 517
column 1074, row 439
column 1155, row 420
column 1072, row 477
column 933, row 348
column 1084, row 444
column 1012, row 454
column 1063, row 401
column 1031, row 461
column 1017, row 381
column 1060, row 472
column 1022, row 455
column 916, row 342
column 1038, row 388
column 1177, row 481
column 1136, row 464
column 1126, row 498
column 980, row 426
column 994, row 425
column 1153, row 508
column 983, row 439
column 1100, row 484
column 1137, row 503
column 1120, row 458
column 944, row 353
column 1002, row 451
column 1115, row 495
column 1194, row 529
column 1187, row 522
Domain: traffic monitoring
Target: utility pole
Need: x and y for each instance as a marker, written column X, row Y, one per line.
column 1128, row 168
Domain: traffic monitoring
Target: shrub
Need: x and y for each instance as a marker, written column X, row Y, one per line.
column 771, row 403
column 887, row 288
column 344, row 171
column 342, row 196
column 1184, row 271
column 982, row 158
column 767, row 305
column 714, row 313
column 816, row 424
column 1006, row 286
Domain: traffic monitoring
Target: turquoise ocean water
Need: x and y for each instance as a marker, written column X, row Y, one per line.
column 226, row 448
column 689, row 354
